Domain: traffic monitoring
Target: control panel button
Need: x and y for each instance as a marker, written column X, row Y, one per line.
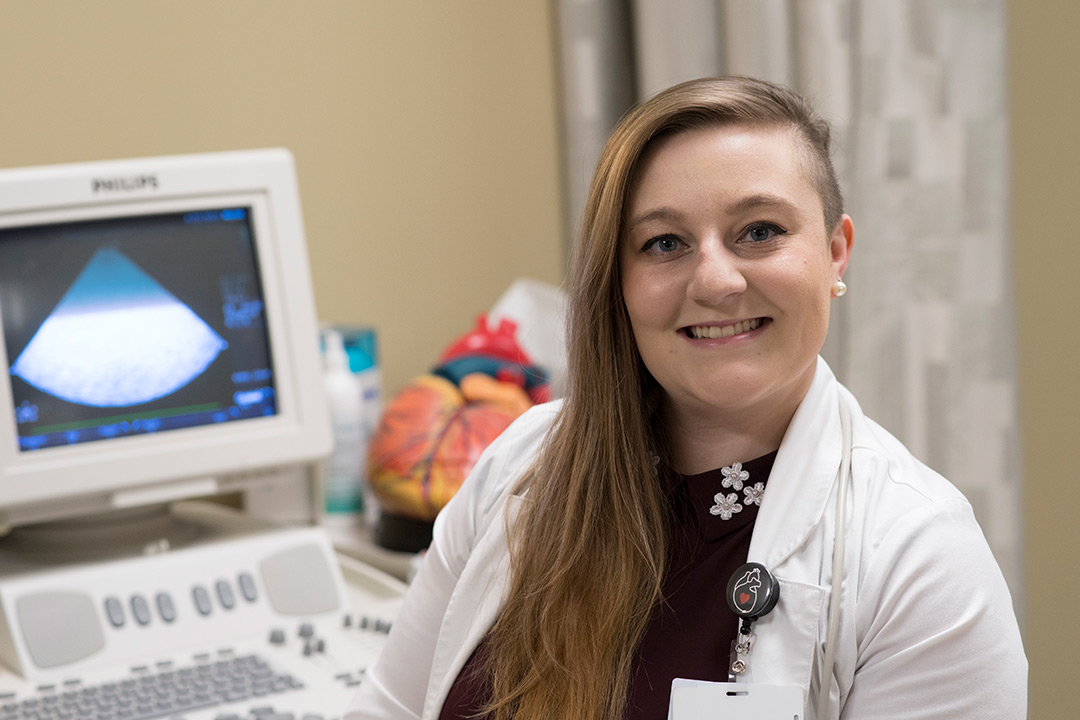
column 247, row 586
column 202, row 599
column 114, row 609
column 225, row 594
column 140, row 609
column 165, row 607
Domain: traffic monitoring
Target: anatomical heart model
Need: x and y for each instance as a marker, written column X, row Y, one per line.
column 433, row 431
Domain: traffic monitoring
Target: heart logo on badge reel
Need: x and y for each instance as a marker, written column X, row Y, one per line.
column 752, row 591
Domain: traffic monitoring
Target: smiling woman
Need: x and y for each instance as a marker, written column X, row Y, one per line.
column 727, row 267
column 595, row 563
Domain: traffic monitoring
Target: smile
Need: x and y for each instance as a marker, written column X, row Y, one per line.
column 698, row 332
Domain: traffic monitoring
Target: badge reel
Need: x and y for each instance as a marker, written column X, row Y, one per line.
column 751, row 593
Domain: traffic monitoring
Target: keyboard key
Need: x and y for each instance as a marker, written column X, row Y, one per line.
column 165, row 607
column 114, row 610
column 202, row 599
column 247, row 587
column 140, row 609
column 225, row 594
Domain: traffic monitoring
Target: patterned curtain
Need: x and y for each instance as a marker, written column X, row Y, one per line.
column 915, row 90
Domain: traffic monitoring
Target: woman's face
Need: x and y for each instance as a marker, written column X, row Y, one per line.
column 727, row 271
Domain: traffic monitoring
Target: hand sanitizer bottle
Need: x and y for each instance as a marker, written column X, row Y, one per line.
column 343, row 477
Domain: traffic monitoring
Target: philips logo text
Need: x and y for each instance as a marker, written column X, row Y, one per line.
column 132, row 183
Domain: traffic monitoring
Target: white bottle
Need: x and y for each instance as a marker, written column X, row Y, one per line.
column 369, row 382
column 343, row 477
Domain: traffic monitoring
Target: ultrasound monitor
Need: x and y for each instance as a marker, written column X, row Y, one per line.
column 158, row 331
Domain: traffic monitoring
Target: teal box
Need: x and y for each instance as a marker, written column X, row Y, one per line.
column 361, row 346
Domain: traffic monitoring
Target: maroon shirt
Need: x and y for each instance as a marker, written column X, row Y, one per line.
column 690, row 635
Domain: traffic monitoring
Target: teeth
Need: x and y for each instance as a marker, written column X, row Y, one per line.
column 700, row 331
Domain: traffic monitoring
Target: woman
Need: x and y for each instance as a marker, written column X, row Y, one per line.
column 583, row 565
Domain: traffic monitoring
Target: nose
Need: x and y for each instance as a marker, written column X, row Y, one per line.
column 717, row 275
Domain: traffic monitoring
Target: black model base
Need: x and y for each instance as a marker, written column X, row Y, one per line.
column 403, row 534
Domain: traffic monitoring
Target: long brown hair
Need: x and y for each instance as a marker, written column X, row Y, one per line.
column 588, row 550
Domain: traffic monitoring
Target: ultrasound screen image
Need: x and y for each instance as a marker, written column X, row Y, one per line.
column 135, row 325
column 116, row 339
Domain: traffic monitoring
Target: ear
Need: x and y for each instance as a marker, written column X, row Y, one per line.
column 843, row 237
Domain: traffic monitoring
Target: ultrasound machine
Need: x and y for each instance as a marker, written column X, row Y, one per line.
column 159, row 333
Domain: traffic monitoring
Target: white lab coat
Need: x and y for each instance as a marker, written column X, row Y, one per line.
column 927, row 628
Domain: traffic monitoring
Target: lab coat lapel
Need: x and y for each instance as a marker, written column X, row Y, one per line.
column 802, row 477
column 788, row 538
column 475, row 604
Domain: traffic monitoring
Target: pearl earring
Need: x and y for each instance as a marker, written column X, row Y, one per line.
column 839, row 288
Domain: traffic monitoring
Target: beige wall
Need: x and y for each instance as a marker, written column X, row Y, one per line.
column 424, row 133
column 425, row 137
column 1044, row 106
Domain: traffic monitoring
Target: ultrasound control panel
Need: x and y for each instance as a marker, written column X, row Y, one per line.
column 270, row 625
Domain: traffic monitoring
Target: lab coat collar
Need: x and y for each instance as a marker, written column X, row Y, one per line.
column 803, row 475
column 471, row 612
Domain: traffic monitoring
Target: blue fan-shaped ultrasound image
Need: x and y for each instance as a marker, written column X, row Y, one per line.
column 117, row 338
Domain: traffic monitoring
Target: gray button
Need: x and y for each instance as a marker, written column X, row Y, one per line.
column 247, row 586
column 165, row 607
column 140, row 609
column 225, row 594
column 202, row 599
column 115, row 610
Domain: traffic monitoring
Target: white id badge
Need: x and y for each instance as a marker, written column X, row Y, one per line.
column 702, row 700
